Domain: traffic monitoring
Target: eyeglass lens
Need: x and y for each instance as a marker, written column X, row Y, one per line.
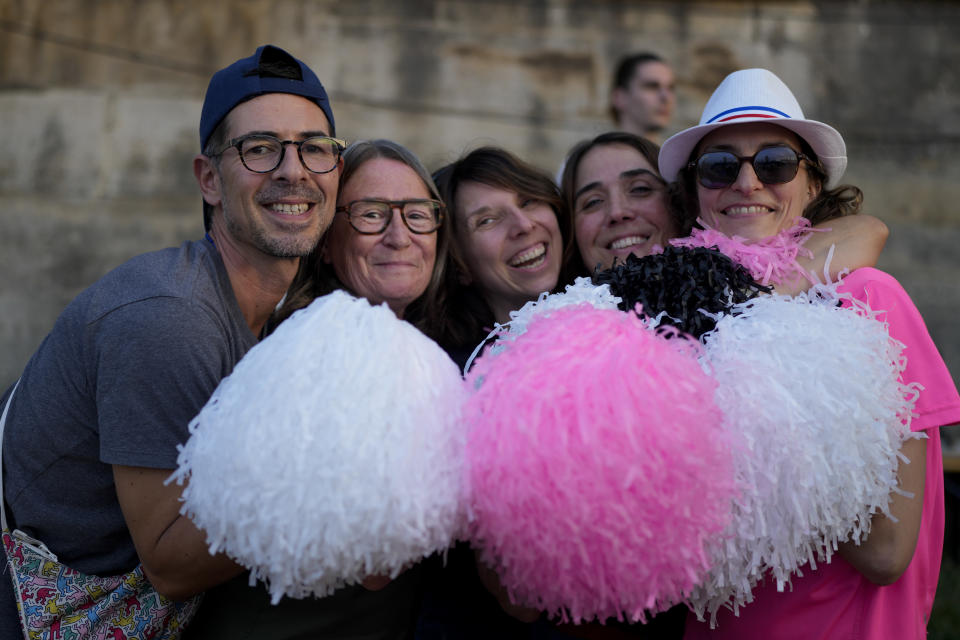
column 373, row 216
column 264, row 153
column 773, row 165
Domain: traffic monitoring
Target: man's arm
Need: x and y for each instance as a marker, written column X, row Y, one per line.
column 172, row 549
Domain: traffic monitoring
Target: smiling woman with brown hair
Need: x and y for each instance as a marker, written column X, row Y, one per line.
column 616, row 200
column 506, row 241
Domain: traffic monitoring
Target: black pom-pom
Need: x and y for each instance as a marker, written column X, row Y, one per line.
column 686, row 284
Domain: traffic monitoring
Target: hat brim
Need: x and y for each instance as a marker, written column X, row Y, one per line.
column 825, row 141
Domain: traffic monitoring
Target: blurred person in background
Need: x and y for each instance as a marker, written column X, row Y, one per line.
column 643, row 95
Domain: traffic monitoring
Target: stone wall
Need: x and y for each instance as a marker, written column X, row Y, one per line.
column 99, row 105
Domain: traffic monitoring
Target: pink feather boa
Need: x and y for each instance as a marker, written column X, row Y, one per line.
column 771, row 260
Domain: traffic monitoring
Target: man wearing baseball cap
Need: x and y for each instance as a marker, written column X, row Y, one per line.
column 92, row 427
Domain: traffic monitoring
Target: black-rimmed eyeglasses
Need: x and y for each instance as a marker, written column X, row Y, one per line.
column 263, row 153
column 372, row 216
column 773, row 165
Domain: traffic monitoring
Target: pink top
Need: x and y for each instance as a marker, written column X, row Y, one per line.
column 835, row 601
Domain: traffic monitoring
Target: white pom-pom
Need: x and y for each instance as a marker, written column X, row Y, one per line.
column 333, row 452
column 582, row 290
column 813, row 388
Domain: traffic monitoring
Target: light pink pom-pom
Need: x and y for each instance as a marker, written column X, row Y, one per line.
column 597, row 467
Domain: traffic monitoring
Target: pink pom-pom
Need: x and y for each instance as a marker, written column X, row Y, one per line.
column 597, row 467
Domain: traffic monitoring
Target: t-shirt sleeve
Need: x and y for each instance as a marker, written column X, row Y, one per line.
column 157, row 362
column 938, row 403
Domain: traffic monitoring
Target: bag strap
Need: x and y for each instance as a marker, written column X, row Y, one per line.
column 3, row 421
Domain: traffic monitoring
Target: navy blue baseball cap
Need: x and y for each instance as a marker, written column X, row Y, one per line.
column 269, row 70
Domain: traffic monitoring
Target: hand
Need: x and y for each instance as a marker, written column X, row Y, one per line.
column 375, row 583
column 491, row 581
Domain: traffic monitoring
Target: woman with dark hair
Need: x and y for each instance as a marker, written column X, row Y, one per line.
column 507, row 233
column 752, row 168
column 616, row 200
column 387, row 242
column 505, row 250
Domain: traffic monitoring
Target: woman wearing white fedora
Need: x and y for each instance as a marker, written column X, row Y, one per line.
column 752, row 168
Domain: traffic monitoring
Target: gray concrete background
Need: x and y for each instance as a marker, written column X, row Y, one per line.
column 100, row 100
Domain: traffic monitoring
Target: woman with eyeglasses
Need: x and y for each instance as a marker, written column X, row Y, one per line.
column 387, row 241
column 751, row 169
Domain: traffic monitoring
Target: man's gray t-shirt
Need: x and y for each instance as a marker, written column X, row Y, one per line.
column 126, row 367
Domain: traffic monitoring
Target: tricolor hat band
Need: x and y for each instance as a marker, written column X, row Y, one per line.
column 773, row 113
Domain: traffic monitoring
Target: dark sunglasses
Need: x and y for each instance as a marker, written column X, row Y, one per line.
column 773, row 165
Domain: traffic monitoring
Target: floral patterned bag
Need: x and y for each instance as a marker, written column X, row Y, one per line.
column 56, row 602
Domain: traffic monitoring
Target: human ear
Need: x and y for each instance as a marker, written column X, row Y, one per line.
column 617, row 98
column 208, row 178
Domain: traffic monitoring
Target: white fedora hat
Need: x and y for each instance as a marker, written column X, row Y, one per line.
column 756, row 95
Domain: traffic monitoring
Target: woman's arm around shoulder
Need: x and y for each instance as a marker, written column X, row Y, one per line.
column 856, row 242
